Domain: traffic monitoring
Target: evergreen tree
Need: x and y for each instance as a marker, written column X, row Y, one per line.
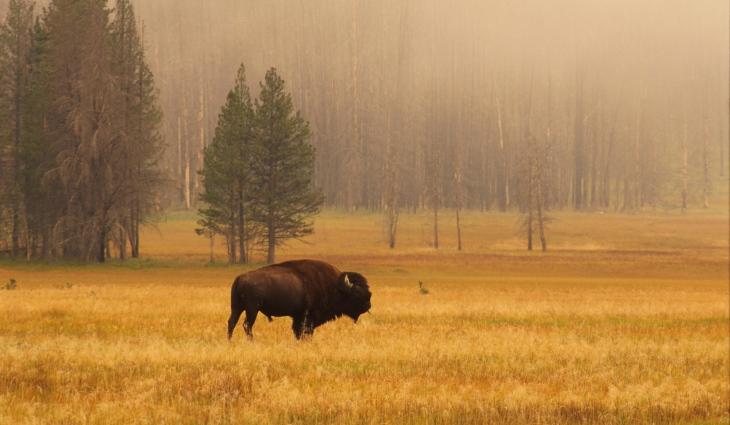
column 36, row 149
column 86, row 99
column 227, row 173
column 125, row 50
column 284, row 199
column 14, row 51
column 79, row 130
column 101, row 128
column 147, row 152
column 140, row 118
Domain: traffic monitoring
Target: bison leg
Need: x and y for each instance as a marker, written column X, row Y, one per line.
column 236, row 309
column 297, row 326
column 233, row 320
column 302, row 327
column 308, row 326
column 250, row 320
column 308, row 330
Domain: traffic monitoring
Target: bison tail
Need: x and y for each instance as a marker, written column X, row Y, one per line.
column 236, row 309
column 236, row 299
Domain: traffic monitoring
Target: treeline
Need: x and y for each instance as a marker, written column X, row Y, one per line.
column 79, row 131
column 422, row 104
column 615, row 106
column 258, row 172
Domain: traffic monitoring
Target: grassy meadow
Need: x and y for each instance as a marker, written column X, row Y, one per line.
column 625, row 320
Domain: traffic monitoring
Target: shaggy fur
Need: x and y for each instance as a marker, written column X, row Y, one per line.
column 310, row 292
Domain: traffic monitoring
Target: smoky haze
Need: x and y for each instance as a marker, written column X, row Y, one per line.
column 415, row 88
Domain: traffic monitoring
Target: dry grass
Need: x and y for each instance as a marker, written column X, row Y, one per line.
column 625, row 321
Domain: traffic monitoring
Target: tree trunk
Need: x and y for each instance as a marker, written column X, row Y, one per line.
column 122, row 245
column 198, row 165
column 392, row 223
column 29, row 245
column 133, row 234
column 502, row 180
column 578, row 147
column 607, row 172
column 179, row 167
column 435, row 226
column 541, row 227
column 705, row 168
column 722, row 156
column 353, row 153
column 242, row 237
column 684, row 169
column 392, row 228
column 232, row 242
column 637, row 201
column 530, row 201
column 186, row 189
column 540, row 209
column 46, row 242
column 137, row 240
column 15, row 237
column 271, row 255
column 628, row 197
column 458, row 228
column 101, row 254
column 594, row 175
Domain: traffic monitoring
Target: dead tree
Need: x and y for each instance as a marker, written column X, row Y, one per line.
column 391, row 202
column 535, row 220
column 685, row 169
column 705, row 166
column 458, row 203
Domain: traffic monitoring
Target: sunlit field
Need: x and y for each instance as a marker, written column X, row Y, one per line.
column 624, row 320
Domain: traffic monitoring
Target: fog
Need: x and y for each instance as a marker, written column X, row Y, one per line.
column 383, row 83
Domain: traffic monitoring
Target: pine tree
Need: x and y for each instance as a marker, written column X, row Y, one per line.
column 139, row 118
column 125, row 50
column 86, row 133
column 79, row 130
column 147, row 152
column 104, row 127
column 284, row 199
column 227, row 174
column 36, row 149
column 14, row 51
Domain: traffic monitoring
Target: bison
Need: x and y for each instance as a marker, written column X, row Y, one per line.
column 310, row 292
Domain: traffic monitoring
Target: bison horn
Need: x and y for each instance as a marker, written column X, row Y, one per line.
column 347, row 281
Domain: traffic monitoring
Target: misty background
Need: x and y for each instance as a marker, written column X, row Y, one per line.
column 405, row 98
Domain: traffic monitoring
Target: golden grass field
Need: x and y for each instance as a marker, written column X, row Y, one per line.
column 625, row 320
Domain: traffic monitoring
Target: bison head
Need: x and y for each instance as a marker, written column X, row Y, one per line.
column 356, row 292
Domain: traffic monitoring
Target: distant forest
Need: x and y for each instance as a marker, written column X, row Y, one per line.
column 490, row 105
column 416, row 103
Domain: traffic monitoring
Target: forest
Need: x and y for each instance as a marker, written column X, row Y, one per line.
column 413, row 102
column 81, row 146
column 417, row 105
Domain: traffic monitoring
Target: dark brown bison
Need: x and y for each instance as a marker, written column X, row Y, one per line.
column 310, row 292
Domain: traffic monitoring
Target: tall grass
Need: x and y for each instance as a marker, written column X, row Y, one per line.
column 581, row 335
